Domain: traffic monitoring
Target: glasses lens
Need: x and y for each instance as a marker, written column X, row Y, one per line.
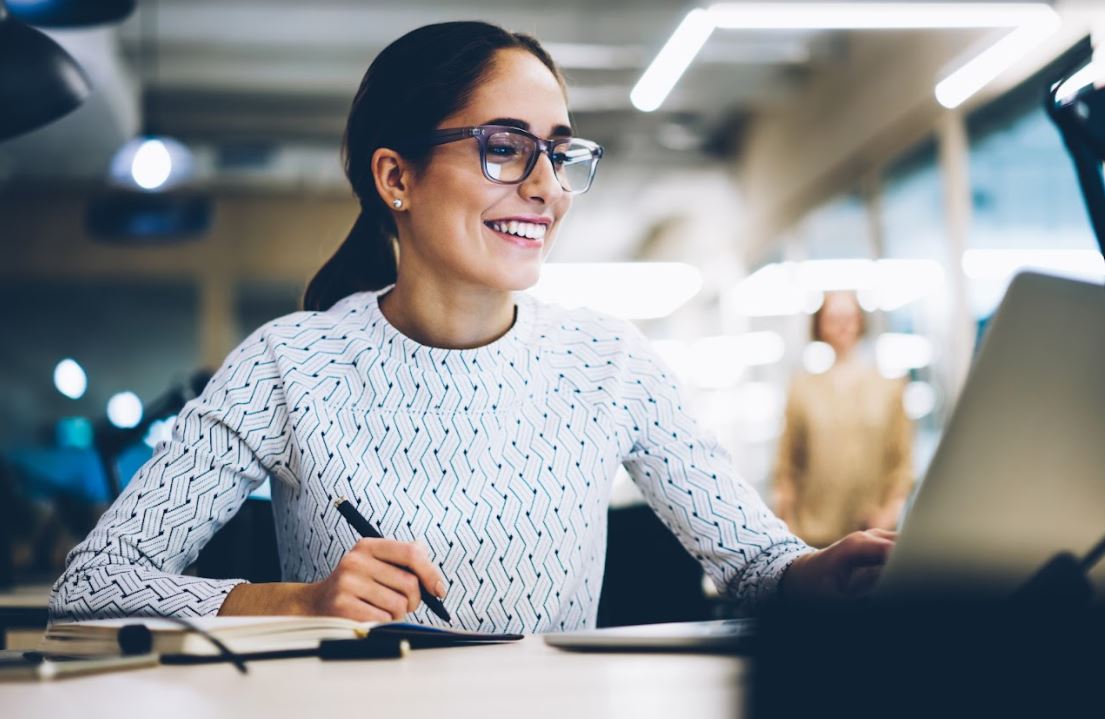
column 575, row 162
column 508, row 156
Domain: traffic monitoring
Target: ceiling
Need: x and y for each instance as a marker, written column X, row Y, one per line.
column 260, row 88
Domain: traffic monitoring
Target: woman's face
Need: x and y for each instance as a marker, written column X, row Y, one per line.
column 840, row 322
column 457, row 215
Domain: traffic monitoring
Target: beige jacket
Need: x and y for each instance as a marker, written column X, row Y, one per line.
column 845, row 453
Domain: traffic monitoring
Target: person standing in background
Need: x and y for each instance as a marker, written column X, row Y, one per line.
column 844, row 460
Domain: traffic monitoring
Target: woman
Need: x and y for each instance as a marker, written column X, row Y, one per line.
column 478, row 430
column 844, row 458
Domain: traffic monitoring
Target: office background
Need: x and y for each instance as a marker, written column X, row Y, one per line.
column 784, row 163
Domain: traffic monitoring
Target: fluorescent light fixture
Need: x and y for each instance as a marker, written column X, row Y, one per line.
column 718, row 362
column 991, row 271
column 672, row 60
column 788, row 288
column 1003, row 264
column 870, row 15
column 631, row 290
column 976, row 73
column 1031, row 23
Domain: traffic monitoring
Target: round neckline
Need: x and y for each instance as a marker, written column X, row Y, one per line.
column 485, row 358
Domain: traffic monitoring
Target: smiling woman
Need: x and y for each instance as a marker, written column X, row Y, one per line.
column 479, row 428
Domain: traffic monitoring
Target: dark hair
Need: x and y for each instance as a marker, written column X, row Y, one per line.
column 815, row 320
column 411, row 86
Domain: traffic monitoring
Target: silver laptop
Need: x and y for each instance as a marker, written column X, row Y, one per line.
column 1019, row 475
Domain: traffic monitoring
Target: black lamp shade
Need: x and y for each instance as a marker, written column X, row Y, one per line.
column 70, row 13
column 39, row 81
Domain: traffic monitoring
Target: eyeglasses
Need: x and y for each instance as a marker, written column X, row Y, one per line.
column 509, row 154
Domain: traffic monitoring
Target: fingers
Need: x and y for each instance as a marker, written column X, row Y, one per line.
column 355, row 587
column 869, row 547
column 408, row 555
column 397, row 579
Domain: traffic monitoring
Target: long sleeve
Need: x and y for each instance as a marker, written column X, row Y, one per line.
column 224, row 444
column 689, row 481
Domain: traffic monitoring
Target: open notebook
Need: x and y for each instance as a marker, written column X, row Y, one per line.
column 244, row 635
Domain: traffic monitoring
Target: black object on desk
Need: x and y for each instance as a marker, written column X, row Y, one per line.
column 359, row 523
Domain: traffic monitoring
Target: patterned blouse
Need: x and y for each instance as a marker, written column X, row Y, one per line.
column 500, row 458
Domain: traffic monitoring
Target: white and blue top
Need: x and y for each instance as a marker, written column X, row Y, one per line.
column 500, row 458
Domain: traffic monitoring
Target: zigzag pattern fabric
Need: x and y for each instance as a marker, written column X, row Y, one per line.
column 500, row 459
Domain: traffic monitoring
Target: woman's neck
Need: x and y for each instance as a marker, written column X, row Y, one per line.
column 449, row 318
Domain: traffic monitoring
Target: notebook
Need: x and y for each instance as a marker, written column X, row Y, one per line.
column 244, row 635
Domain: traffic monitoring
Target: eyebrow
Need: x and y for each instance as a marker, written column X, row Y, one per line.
column 558, row 131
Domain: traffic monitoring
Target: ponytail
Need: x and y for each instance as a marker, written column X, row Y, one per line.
column 411, row 86
column 364, row 261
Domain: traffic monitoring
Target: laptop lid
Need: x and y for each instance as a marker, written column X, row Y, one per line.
column 1019, row 474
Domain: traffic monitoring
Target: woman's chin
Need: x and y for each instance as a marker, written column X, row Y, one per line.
column 519, row 278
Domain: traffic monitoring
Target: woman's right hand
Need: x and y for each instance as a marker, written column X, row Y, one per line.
column 378, row 580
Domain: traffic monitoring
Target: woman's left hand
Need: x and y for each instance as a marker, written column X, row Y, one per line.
column 842, row 571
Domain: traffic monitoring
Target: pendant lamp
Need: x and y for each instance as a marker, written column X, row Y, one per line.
column 150, row 162
column 39, row 81
column 70, row 13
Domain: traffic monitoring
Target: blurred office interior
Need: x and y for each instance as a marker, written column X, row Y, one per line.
column 789, row 159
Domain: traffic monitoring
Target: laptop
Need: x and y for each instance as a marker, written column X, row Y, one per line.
column 1018, row 477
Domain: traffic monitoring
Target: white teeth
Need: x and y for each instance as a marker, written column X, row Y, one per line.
column 530, row 230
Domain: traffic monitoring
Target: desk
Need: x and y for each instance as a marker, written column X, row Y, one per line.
column 522, row 679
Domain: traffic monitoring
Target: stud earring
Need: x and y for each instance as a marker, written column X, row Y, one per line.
column 397, row 203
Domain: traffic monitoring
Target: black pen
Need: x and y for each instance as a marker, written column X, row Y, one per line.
column 359, row 523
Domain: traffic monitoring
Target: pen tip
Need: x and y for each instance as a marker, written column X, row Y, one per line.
column 338, row 501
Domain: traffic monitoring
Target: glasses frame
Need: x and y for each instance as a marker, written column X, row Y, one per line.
column 482, row 133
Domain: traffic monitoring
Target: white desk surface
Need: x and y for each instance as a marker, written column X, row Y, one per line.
column 522, row 679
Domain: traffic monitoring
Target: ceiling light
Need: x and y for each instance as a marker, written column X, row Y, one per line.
column 788, row 288
column 976, row 73
column 70, row 379
column 150, row 162
column 1032, row 23
column 673, row 59
column 1003, row 264
column 124, row 410
column 631, row 290
column 870, row 15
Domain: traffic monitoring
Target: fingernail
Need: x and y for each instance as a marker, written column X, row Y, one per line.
column 439, row 590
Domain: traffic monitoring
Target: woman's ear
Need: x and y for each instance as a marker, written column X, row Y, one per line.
column 392, row 175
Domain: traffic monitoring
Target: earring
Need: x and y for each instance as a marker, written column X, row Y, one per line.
column 397, row 203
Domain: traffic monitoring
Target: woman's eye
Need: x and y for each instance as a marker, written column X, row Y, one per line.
column 503, row 151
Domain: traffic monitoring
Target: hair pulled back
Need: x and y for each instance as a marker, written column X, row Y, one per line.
column 411, row 86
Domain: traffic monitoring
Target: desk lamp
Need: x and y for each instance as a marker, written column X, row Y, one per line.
column 1076, row 104
column 39, row 81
